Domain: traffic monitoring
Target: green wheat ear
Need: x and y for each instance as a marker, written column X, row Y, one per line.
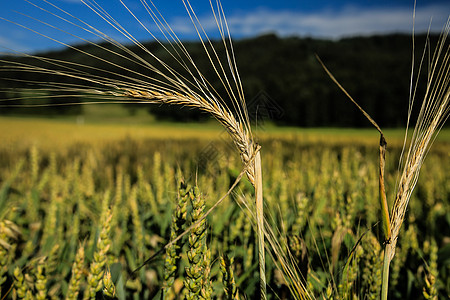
column 373, row 263
column 174, row 250
column 21, row 290
column 77, row 274
column 9, row 233
column 229, row 284
column 97, row 267
column 41, row 279
column 195, row 271
column 108, row 285
column 430, row 290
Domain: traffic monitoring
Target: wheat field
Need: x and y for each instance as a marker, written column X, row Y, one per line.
column 226, row 212
column 77, row 211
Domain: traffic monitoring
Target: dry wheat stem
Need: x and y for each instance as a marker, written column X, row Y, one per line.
column 260, row 221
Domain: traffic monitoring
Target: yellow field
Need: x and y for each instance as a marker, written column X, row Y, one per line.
column 52, row 134
column 114, row 190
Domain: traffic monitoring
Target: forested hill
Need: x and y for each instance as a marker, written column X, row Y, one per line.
column 284, row 81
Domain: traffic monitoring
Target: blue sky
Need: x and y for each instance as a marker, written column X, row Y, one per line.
column 319, row 18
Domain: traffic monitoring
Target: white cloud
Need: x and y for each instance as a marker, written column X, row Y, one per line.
column 330, row 24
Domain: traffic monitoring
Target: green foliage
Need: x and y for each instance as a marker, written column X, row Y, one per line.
column 80, row 221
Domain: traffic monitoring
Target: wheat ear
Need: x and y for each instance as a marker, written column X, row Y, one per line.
column 168, row 86
column 432, row 116
column 240, row 136
column 242, row 141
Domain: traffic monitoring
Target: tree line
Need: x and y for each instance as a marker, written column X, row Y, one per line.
column 281, row 77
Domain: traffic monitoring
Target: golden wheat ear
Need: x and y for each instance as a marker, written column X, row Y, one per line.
column 185, row 85
column 434, row 112
column 118, row 83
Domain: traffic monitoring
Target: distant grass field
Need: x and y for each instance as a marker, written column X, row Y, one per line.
column 52, row 133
